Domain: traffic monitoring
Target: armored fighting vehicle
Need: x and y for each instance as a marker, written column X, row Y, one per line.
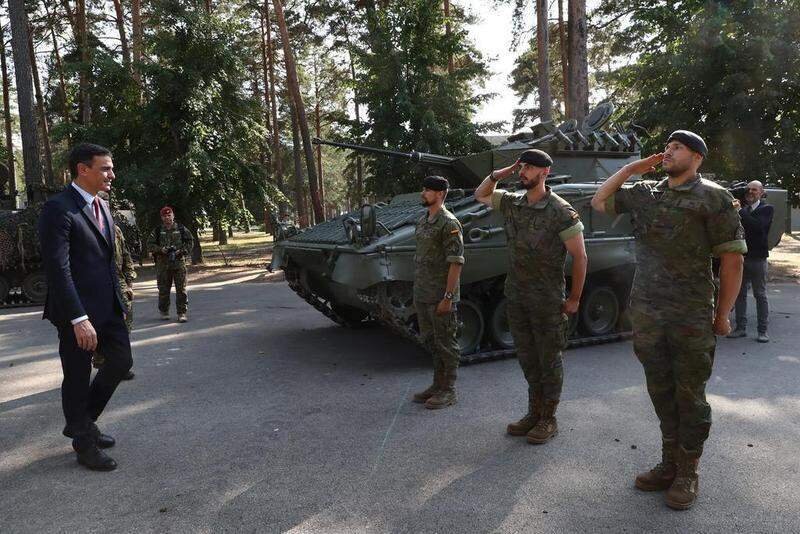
column 359, row 267
column 22, row 280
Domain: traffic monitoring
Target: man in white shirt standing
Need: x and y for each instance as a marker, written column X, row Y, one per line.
column 84, row 301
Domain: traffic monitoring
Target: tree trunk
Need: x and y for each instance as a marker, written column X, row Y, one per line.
column 27, row 112
column 82, row 39
column 71, row 18
column 562, row 43
column 221, row 234
column 208, row 6
column 359, row 165
column 123, row 39
column 49, row 177
column 230, row 231
column 451, row 68
column 277, row 161
column 297, row 98
column 62, row 84
column 197, row 251
column 317, row 124
column 136, row 49
column 578, row 61
column 12, row 174
column 299, row 196
column 214, row 231
column 246, row 219
column 265, row 79
column 543, row 60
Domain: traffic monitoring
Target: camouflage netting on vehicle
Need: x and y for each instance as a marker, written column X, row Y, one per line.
column 19, row 240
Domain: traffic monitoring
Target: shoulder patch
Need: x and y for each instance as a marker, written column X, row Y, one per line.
column 454, row 231
column 735, row 203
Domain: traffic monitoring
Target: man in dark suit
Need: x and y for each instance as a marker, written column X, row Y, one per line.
column 84, row 303
column 756, row 219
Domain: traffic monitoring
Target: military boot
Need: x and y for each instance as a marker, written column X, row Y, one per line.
column 683, row 491
column 661, row 476
column 524, row 425
column 422, row 396
column 546, row 427
column 446, row 396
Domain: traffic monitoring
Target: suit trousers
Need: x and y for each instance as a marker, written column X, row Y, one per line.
column 755, row 275
column 83, row 399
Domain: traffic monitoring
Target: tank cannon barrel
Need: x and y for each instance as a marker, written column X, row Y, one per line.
column 417, row 157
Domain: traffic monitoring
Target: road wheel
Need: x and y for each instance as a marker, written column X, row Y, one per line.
column 499, row 330
column 470, row 327
column 34, row 286
column 5, row 287
column 599, row 311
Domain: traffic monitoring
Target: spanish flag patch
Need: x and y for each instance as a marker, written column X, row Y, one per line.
column 454, row 231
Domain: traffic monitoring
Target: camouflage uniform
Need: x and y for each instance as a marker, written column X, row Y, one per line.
column 171, row 271
column 535, row 289
column 672, row 302
column 126, row 274
column 439, row 243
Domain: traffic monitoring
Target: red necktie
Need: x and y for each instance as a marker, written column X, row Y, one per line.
column 97, row 215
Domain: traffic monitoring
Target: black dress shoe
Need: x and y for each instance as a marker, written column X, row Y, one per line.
column 104, row 441
column 129, row 375
column 95, row 459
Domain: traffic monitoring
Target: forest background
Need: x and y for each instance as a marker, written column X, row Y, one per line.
column 210, row 106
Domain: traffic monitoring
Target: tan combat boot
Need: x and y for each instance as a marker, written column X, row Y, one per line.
column 446, row 396
column 683, row 492
column 661, row 476
column 546, row 427
column 524, row 425
column 422, row 396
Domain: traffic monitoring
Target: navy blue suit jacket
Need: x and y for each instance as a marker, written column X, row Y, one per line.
column 78, row 261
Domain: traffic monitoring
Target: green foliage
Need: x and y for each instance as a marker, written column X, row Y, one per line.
column 413, row 102
column 728, row 70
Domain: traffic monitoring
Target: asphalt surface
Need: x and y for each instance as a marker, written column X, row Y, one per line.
column 260, row 415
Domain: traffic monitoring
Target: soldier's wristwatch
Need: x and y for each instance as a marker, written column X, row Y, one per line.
column 448, row 295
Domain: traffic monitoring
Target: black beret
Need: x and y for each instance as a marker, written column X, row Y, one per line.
column 537, row 158
column 436, row 183
column 691, row 140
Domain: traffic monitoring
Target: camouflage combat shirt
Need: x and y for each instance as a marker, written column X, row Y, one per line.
column 677, row 230
column 439, row 243
column 164, row 238
column 123, row 260
column 536, row 234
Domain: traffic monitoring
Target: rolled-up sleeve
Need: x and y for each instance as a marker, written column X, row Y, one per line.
column 724, row 227
column 497, row 198
column 453, row 242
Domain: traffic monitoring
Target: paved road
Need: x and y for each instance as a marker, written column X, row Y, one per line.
column 260, row 415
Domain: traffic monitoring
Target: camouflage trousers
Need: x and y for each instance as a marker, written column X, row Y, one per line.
column 166, row 277
column 439, row 335
column 677, row 353
column 97, row 358
column 539, row 339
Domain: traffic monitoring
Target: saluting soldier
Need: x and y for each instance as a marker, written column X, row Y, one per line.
column 541, row 228
column 438, row 262
column 679, row 223
column 170, row 245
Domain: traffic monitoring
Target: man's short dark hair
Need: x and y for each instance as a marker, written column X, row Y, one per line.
column 85, row 153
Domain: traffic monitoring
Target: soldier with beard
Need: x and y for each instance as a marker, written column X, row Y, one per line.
column 679, row 223
column 438, row 262
column 541, row 228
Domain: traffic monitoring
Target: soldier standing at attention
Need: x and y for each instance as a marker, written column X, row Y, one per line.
column 438, row 262
column 541, row 228
column 170, row 245
column 126, row 274
column 679, row 223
